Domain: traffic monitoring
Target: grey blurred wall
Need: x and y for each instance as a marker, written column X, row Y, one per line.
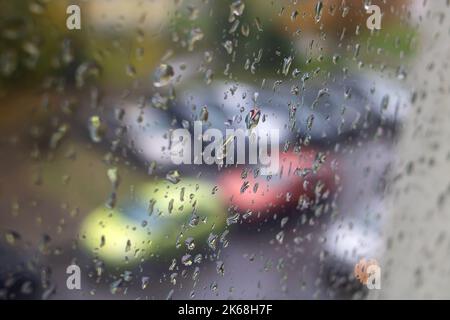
column 416, row 263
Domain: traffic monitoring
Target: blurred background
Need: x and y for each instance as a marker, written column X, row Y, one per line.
column 86, row 175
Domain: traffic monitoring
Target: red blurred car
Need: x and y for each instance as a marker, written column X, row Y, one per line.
column 303, row 178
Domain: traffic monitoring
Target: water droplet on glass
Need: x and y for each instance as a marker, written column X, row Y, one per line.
column 237, row 8
column 318, row 11
column 336, row 58
column 252, row 118
column 163, row 75
column 194, row 220
column 190, row 245
column 96, row 129
column 12, row 237
column 145, row 282
column 245, row 29
column 173, row 176
column 128, row 245
column 220, row 268
column 204, row 114
column 280, row 237
column 113, row 176
column 194, row 36
column 212, row 241
column 233, row 219
column 131, row 70
column 287, row 65
column 186, row 260
column 228, row 45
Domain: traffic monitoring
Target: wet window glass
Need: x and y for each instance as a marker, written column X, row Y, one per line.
column 236, row 149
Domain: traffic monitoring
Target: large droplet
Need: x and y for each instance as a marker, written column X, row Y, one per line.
column 252, row 118
column 163, row 75
column 113, row 176
column 212, row 241
column 12, row 236
column 319, row 7
column 204, row 114
column 96, row 129
column 237, row 8
column 194, row 36
column 173, row 176
column 186, row 260
column 287, row 65
column 144, row 282
column 228, row 45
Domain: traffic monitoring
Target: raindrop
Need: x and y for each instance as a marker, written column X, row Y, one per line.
column 204, row 114
column 186, row 260
column 12, row 237
column 173, row 176
column 252, row 118
column 336, row 58
column 233, row 219
column 198, row 258
column 128, row 245
column 209, row 76
column 245, row 29
column 195, row 35
column 84, row 71
column 194, row 220
column 212, row 241
column 385, row 102
column 220, row 268
column 102, row 241
column 192, row 12
column 287, row 65
column 131, row 70
column 258, row 24
column 190, row 245
column 163, row 75
column 196, row 273
column 228, row 45
column 280, row 237
column 113, row 176
column 245, row 186
column 237, row 8
column 145, row 282
column 318, row 11
column 96, row 129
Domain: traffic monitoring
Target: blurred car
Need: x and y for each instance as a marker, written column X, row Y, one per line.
column 166, row 218
column 304, row 177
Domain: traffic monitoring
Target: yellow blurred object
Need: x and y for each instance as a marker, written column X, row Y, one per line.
column 164, row 215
